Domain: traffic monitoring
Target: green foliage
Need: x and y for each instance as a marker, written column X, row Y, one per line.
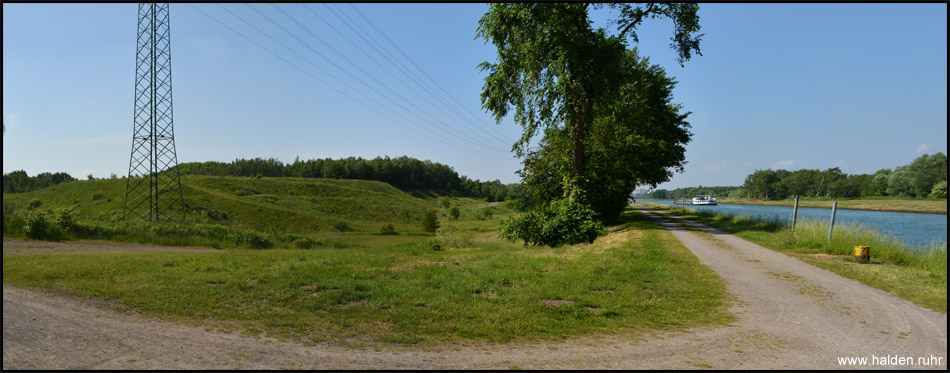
column 561, row 221
column 488, row 212
column 342, row 226
column 387, row 229
column 253, row 240
column 300, row 241
column 445, row 203
column 634, row 140
column 430, row 221
column 34, row 203
column 594, row 100
column 939, row 190
column 64, row 219
column 96, row 195
column 914, row 180
column 454, row 213
column 19, row 182
column 39, row 227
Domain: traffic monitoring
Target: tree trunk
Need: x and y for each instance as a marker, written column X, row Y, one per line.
column 578, row 157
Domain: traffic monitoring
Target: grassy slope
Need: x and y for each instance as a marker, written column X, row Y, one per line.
column 474, row 286
column 280, row 205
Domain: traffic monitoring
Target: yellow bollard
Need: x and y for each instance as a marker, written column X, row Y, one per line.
column 862, row 254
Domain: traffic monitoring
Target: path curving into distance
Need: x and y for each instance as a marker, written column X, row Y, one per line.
column 790, row 315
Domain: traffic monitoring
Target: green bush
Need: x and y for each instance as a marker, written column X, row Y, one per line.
column 34, row 203
column 342, row 226
column 253, row 239
column 430, row 221
column 387, row 229
column 454, row 213
column 446, row 203
column 300, row 241
column 38, row 227
column 65, row 220
column 939, row 190
column 561, row 221
column 96, row 195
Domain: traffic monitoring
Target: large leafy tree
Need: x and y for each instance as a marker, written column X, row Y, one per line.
column 636, row 139
column 553, row 67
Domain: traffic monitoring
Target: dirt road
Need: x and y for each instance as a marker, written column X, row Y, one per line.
column 790, row 315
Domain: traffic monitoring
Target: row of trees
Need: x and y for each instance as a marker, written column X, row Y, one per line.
column 926, row 176
column 19, row 181
column 402, row 172
column 920, row 178
column 690, row 192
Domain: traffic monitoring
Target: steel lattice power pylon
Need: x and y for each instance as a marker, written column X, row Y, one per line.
column 153, row 190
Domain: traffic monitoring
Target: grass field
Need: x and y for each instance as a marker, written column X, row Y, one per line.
column 464, row 283
column 917, row 276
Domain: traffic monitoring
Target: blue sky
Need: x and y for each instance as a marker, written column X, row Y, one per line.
column 857, row 86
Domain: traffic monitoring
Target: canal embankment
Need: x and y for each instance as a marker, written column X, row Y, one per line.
column 917, row 231
column 901, row 206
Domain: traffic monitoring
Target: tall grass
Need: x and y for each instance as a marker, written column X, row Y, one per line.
column 885, row 248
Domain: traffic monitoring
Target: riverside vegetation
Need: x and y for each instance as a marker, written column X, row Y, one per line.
column 919, row 276
column 316, row 259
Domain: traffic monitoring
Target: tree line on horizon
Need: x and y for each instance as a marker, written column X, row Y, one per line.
column 401, row 172
column 926, row 176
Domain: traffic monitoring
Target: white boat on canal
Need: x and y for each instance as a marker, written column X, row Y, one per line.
column 704, row 200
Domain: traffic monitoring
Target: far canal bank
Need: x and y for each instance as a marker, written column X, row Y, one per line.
column 922, row 231
column 914, row 207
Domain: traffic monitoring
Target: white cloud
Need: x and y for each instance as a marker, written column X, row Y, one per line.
column 747, row 164
column 921, row 148
column 716, row 166
column 788, row 163
column 841, row 163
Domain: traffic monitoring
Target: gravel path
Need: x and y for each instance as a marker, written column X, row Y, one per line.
column 790, row 316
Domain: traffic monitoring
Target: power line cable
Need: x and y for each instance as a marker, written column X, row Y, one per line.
column 379, row 48
column 371, row 87
column 331, row 75
column 406, row 70
column 394, row 75
column 426, row 134
column 411, row 61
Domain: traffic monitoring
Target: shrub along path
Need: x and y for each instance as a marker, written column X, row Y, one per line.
column 790, row 315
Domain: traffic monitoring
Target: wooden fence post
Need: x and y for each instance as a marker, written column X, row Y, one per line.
column 834, row 208
column 795, row 212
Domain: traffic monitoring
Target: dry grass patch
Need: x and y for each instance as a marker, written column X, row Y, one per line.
column 556, row 302
column 616, row 237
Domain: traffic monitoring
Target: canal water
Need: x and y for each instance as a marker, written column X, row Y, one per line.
column 920, row 230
